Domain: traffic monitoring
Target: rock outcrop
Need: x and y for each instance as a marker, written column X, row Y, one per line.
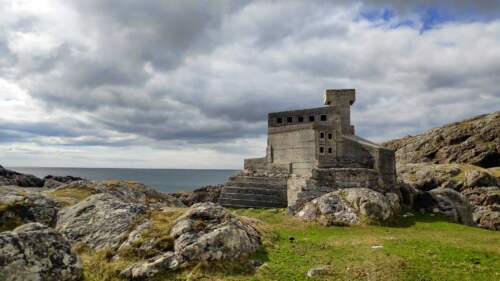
column 447, row 202
column 209, row 193
column 19, row 206
column 56, row 181
column 352, row 206
column 8, row 177
column 475, row 141
column 205, row 233
column 99, row 221
column 126, row 191
column 34, row 252
column 477, row 185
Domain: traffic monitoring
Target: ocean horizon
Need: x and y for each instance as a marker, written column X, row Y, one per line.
column 165, row 180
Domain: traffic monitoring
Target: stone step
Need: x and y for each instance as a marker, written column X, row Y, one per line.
column 260, row 197
column 243, row 203
column 254, row 190
column 256, row 181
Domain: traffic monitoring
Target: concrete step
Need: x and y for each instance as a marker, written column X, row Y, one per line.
column 243, row 203
column 278, row 198
column 250, row 181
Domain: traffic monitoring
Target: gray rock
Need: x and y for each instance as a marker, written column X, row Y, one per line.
column 488, row 216
column 207, row 193
column 483, row 196
column 205, row 233
column 36, row 252
column 475, row 141
column 478, row 178
column 447, row 202
column 208, row 232
column 9, row 177
column 352, row 206
column 99, row 221
column 125, row 191
column 19, row 205
column 313, row 272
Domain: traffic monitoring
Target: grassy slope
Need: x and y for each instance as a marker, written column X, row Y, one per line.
column 423, row 248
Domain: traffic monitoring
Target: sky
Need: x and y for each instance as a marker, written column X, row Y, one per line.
column 188, row 84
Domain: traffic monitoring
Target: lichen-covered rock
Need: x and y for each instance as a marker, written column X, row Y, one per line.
column 19, row 206
column 99, row 221
column 483, row 196
column 56, row 181
column 9, row 177
column 205, row 233
column 447, row 202
column 126, row 191
column 203, row 194
column 475, row 141
column 35, row 252
column 478, row 178
column 352, row 206
column 488, row 216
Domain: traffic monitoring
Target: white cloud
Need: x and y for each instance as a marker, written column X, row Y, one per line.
column 141, row 87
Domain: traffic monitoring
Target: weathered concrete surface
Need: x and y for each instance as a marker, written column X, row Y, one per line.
column 35, row 252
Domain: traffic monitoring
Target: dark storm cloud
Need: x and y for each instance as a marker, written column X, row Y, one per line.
column 208, row 72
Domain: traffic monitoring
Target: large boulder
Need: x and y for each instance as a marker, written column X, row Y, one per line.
column 205, row 233
column 36, row 252
column 19, row 206
column 9, row 177
column 475, row 141
column 352, row 206
column 99, row 221
column 447, row 202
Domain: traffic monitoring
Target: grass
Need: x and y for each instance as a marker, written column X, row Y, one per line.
column 495, row 171
column 100, row 265
column 421, row 248
column 70, row 195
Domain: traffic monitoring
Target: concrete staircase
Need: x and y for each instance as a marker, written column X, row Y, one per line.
column 254, row 192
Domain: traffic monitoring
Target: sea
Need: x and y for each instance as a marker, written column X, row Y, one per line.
column 166, row 180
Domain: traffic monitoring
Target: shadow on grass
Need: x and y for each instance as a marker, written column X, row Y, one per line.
column 411, row 220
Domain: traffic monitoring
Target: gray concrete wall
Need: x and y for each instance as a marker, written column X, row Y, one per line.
column 294, row 146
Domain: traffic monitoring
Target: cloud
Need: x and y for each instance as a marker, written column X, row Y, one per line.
column 167, row 75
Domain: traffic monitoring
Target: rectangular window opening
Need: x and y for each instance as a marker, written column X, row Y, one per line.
column 321, row 149
column 300, row 119
column 330, row 150
column 330, row 136
column 311, row 118
column 323, row 117
column 289, row 119
column 321, row 135
column 279, row 120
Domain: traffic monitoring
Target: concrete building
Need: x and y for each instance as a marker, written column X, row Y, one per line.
column 311, row 152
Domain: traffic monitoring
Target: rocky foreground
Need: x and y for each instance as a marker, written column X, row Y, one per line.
column 51, row 227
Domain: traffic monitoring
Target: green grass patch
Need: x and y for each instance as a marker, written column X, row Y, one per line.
column 70, row 195
column 422, row 247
